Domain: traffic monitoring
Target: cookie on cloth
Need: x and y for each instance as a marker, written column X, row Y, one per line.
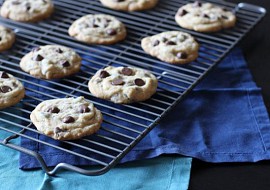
column 204, row 17
column 51, row 62
column 11, row 90
column 123, row 84
column 129, row 5
column 27, row 10
column 7, row 38
column 98, row 29
column 173, row 47
column 66, row 118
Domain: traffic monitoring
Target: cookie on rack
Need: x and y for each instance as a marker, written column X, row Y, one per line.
column 173, row 47
column 204, row 17
column 66, row 118
column 51, row 62
column 129, row 5
column 27, row 10
column 98, row 29
column 123, row 84
column 11, row 90
column 7, row 38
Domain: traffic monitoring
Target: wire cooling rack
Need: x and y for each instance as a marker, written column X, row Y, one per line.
column 124, row 125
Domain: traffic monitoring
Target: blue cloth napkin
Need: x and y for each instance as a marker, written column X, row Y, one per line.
column 160, row 173
column 222, row 120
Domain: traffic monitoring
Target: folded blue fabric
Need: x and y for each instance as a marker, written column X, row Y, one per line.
column 222, row 120
column 160, row 173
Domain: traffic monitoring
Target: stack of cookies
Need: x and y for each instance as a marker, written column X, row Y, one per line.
column 73, row 118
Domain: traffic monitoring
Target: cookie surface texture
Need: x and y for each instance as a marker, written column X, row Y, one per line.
column 129, row 5
column 27, row 10
column 123, row 84
column 204, row 17
column 173, row 47
column 51, row 62
column 7, row 38
column 98, row 29
column 66, row 118
column 11, row 90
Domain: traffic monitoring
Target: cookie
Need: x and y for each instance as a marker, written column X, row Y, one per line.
column 129, row 5
column 204, row 17
column 66, row 118
column 27, row 10
column 51, row 62
column 123, row 84
column 11, row 90
column 98, row 29
column 7, row 38
column 173, row 47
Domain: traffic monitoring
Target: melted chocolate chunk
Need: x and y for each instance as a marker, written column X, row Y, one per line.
column 181, row 55
column 118, row 82
column 68, row 119
column 5, row 89
column 224, row 17
column 65, row 63
column 104, row 74
column 197, row 4
column 53, row 110
column 127, row 71
column 59, row 50
column 58, row 130
column 38, row 58
column 155, row 43
column 4, row 75
column 111, row 32
column 84, row 109
column 139, row 82
column 170, row 43
column 182, row 12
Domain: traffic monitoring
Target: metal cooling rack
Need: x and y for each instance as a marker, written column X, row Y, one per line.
column 118, row 134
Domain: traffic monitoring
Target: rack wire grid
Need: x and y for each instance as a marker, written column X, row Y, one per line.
column 124, row 125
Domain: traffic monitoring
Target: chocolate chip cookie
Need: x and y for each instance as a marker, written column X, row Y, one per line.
column 129, row 5
column 7, row 38
column 173, row 47
column 11, row 90
column 51, row 62
column 98, row 29
column 204, row 17
column 123, row 84
column 66, row 118
column 27, row 10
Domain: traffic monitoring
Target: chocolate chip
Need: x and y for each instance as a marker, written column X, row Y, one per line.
column 59, row 50
column 224, row 17
column 38, row 58
column 53, row 110
column 127, row 71
column 104, row 74
column 139, row 82
column 5, row 89
column 64, row 63
column 28, row 6
column 163, row 39
column 44, row 1
column 182, row 12
column 118, row 82
column 68, row 119
column 155, row 43
column 111, row 32
column 0, row 38
column 181, row 55
column 35, row 49
column 4, row 75
column 118, row 0
column 206, row 16
column 170, row 43
column 197, row 4
column 84, row 109
column 224, row 9
column 108, row 20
